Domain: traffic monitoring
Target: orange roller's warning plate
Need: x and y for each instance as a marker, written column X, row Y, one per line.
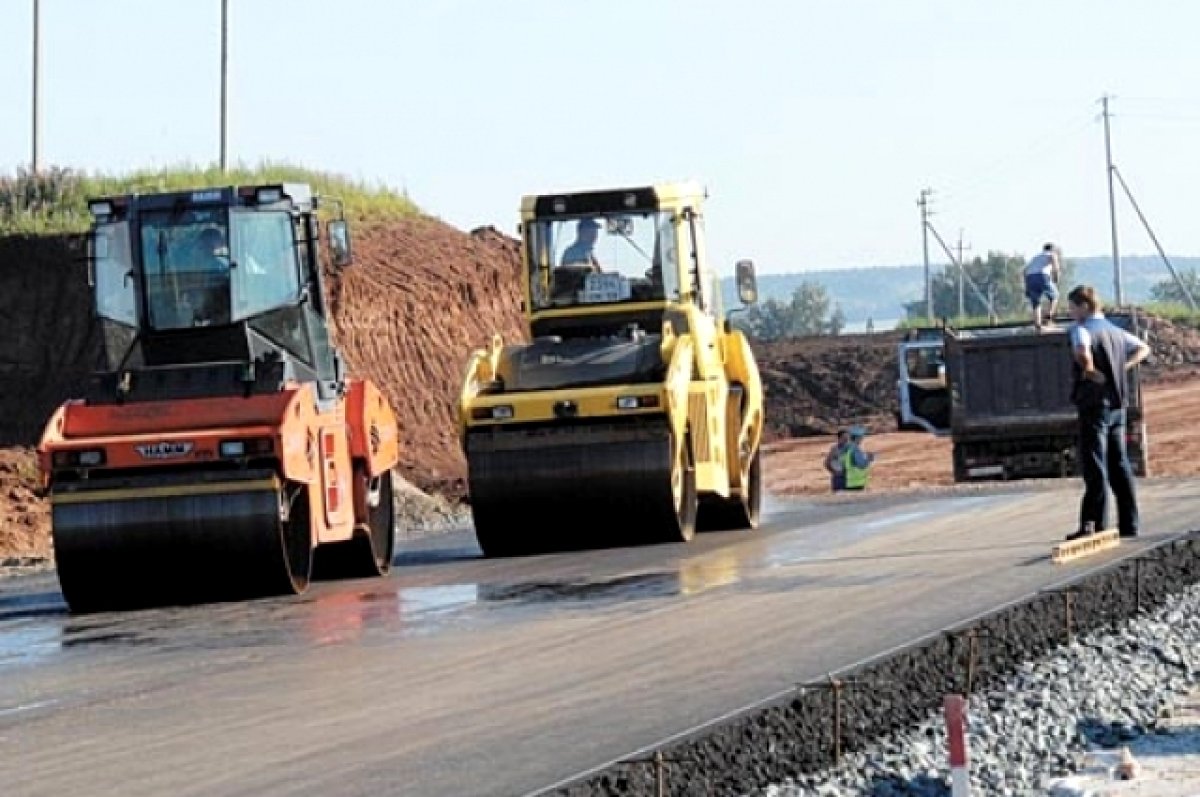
column 1085, row 546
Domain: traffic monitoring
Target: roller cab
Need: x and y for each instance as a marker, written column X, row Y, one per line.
column 634, row 414
column 222, row 452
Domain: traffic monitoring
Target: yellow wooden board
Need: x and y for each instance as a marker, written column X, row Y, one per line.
column 1084, row 546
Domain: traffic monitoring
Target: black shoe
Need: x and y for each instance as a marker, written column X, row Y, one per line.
column 1079, row 535
column 1125, row 535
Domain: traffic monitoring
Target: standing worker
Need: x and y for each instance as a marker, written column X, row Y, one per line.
column 833, row 461
column 1042, row 273
column 856, row 462
column 1103, row 355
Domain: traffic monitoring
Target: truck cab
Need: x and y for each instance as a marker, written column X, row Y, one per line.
column 922, row 390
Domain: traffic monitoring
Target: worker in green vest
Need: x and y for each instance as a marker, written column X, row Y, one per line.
column 856, row 463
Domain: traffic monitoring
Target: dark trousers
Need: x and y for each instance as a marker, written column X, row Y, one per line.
column 1105, row 463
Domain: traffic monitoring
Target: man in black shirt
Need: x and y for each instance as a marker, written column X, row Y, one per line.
column 1103, row 354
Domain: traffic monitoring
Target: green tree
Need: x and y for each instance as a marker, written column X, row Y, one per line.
column 810, row 309
column 1169, row 292
column 999, row 277
column 837, row 321
column 807, row 313
column 769, row 320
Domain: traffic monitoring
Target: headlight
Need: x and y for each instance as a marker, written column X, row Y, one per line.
column 250, row 447
column 636, row 402
column 90, row 458
column 500, row 412
column 233, row 448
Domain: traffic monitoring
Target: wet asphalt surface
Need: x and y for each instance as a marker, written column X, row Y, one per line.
column 463, row 676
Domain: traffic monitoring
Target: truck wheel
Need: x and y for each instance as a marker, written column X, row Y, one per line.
column 960, row 464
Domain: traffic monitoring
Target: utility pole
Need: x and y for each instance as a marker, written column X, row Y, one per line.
column 923, row 203
column 1118, row 282
column 36, row 160
column 224, row 83
column 962, row 274
column 1183, row 287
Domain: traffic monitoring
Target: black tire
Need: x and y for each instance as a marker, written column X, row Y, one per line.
column 960, row 464
column 679, row 521
column 297, row 537
column 366, row 555
column 741, row 512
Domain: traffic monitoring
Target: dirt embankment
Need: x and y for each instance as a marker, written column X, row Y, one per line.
column 419, row 298
column 50, row 342
column 815, row 385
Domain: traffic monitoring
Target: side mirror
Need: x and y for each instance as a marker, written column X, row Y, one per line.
column 339, row 242
column 747, row 283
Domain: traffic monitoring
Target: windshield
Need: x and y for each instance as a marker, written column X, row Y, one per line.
column 924, row 362
column 267, row 274
column 185, row 264
column 193, row 277
column 607, row 259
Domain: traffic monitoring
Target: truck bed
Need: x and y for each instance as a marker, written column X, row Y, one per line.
column 1009, row 382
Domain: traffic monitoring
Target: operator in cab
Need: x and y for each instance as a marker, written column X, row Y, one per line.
column 211, row 304
column 583, row 251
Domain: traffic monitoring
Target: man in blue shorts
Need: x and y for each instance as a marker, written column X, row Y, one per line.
column 1041, row 282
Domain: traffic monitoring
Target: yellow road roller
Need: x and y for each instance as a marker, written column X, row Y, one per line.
column 635, row 413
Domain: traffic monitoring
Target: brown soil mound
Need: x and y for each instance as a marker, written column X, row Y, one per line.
column 815, row 385
column 419, row 298
column 24, row 517
column 1176, row 352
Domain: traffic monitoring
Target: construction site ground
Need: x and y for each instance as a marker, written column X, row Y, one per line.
column 515, row 673
column 921, row 462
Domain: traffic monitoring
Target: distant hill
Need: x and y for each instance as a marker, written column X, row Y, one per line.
column 880, row 292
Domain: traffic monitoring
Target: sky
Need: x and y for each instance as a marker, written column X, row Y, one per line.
column 813, row 125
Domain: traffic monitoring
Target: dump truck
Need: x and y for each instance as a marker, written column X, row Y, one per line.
column 635, row 411
column 1011, row 414
column 222, row 451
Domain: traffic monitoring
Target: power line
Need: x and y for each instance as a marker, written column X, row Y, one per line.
column 987, row 301
column 1040, row 146
column 1187, row 294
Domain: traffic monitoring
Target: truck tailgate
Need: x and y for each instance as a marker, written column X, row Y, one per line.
column 1009, row 382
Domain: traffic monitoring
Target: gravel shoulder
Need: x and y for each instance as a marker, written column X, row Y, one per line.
column 1057, row 725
